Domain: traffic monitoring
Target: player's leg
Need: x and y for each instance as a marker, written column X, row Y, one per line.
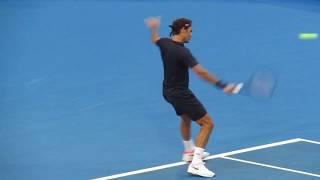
column 185, row 128
column 207, row 126
column 197, row 166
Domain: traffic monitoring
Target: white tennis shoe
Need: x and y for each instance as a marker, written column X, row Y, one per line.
column 188, row 156
column 200, row 170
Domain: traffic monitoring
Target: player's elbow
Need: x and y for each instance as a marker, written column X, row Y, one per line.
column 155, row 39
column 200, row 71
column 204, row 75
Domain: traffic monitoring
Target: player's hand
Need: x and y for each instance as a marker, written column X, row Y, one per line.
column 230, row 88
column 233, row 88
column 153, row 22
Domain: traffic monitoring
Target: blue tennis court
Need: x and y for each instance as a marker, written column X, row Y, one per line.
column 290, row 159
column 81, row 93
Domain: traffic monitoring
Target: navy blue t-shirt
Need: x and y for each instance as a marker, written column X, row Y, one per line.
column 176, row 59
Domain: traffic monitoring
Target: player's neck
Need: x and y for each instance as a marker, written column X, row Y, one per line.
column 177, row 39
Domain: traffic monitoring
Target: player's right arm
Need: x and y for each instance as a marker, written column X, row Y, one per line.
column 153, row 23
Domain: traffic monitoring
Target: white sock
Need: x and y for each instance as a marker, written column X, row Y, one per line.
column 197, row 156
column 188, row 145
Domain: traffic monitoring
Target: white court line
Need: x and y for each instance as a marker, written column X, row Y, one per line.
column 210, row 157
column 270, row 166
column 255, row 148
column 141, row 171
column 309, row 141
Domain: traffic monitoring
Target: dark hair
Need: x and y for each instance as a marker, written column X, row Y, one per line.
column 178, row 24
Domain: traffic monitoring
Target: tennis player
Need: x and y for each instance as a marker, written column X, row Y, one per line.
column 177, row 59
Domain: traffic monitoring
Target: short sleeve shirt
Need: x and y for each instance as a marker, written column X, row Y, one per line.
column 177, row 59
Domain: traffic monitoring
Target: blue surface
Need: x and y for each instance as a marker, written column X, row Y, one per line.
column 80, row 82
column 299, row 156
column 225, row 170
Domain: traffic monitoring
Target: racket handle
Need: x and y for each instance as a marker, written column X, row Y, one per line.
column 238, row 88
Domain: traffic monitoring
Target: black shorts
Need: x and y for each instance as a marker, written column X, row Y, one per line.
column 185, row 102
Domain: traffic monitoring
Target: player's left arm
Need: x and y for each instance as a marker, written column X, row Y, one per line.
column 153, row 23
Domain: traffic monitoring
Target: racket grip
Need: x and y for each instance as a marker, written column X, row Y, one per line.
column 238, row 88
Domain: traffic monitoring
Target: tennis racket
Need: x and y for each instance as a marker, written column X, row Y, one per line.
column 260, row 84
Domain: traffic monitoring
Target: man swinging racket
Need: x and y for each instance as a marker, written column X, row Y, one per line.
column 177, row 59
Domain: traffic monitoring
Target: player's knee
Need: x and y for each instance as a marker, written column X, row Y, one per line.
column 207, row 122
column 210, row 124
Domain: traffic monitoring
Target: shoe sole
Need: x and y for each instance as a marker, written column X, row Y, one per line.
column 195, row 174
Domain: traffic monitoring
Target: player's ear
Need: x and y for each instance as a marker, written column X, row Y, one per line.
column 182, row 30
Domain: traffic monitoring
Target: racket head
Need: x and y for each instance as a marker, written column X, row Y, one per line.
column 261, row 84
